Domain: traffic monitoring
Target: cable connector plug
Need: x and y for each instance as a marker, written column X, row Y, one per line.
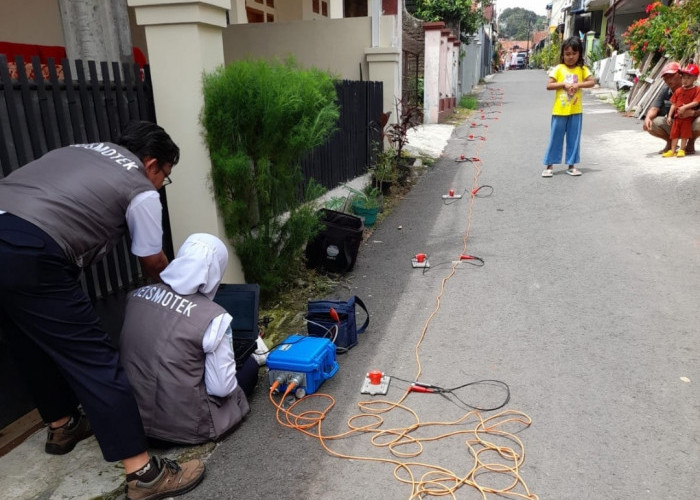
column 478, row 261
column 420, row 388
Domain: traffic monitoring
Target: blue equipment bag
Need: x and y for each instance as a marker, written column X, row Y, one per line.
column 342, row 329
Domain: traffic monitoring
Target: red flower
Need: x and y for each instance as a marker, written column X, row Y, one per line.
column 652, row 6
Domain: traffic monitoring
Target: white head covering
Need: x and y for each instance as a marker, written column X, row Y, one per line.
column 198, row 266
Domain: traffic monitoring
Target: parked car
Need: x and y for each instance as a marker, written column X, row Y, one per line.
column 521, row 60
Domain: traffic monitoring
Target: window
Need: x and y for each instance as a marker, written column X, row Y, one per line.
column 260, row 11
column 255, row 16
column 320, row 7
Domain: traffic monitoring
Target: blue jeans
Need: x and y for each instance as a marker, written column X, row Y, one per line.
column 569, row 128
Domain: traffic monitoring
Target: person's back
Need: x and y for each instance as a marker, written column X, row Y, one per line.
column 78, row 195
column 169, row 330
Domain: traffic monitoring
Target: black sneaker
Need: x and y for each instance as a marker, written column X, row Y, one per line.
column 62, row 440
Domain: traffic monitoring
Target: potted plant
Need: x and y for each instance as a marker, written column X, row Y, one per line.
column 408, row 116
column 366, row 203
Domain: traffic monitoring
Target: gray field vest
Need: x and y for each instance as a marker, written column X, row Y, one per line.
column 78, row 195
column 161, row 351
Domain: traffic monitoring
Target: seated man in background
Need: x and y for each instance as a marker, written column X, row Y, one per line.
column 177, row 352
column 655, row 119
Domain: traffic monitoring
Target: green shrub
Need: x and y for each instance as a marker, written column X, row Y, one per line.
column 260, row 118
column 620, row 101
column 468, row 101
column 670, row 30
column 550, row 55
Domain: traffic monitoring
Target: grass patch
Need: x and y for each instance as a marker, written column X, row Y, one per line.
column 468, row 101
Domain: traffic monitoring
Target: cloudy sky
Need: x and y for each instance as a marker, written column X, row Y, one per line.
column 536, row 6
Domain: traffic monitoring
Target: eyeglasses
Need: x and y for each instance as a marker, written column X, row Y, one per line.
column 167, row 181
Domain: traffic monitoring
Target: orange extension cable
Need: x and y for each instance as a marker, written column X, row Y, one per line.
column 489, row 460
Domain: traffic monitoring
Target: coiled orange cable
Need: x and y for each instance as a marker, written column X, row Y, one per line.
column 489, row 460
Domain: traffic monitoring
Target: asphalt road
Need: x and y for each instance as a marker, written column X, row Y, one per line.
column 586, row 307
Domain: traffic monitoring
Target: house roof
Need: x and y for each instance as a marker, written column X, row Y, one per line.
column 510, row 44
column 538, row 36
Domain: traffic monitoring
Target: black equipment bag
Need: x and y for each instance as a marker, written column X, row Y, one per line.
column 335, row 247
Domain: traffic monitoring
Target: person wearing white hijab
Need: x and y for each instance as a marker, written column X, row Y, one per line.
column 176, row 348
column 199, row 268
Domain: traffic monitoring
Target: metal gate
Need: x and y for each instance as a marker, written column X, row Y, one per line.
column 412, row 92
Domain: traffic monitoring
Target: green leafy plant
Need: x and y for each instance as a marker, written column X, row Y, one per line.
column 260, row 118
column 337, row 203
column 369, row 197
column 384, row 171
column 468, row 101
column 598, row 52
column 388, row 162
column 549, row 55
column 672, row 30
column 409, row 116
column 462, row 16
column 620, row 101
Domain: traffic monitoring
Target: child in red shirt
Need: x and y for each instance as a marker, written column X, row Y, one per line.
column 687, row 96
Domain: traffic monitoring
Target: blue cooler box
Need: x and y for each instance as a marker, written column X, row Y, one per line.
column 309, row 360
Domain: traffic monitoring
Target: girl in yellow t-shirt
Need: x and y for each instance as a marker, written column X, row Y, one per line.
column 567, row 79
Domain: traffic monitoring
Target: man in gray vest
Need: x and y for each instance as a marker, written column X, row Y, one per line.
column 176, row 348
column 58, row 215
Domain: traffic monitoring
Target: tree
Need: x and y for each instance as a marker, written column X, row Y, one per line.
column 260, row 118
column 462, row 16
column 518, row 23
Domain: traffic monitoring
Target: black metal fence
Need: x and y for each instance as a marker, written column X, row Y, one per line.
column 349, row 151
column 47, row 112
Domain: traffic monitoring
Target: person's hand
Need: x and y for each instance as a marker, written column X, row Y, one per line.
column 647, row 124
column 669, row 120
column 684, row 112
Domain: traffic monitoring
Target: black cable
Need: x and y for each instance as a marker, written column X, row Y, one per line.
column 474, row 261
column 464, row 405
column 485, row 381
column 489, row 191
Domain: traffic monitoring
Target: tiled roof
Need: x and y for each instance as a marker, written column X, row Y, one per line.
column 509, row 44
